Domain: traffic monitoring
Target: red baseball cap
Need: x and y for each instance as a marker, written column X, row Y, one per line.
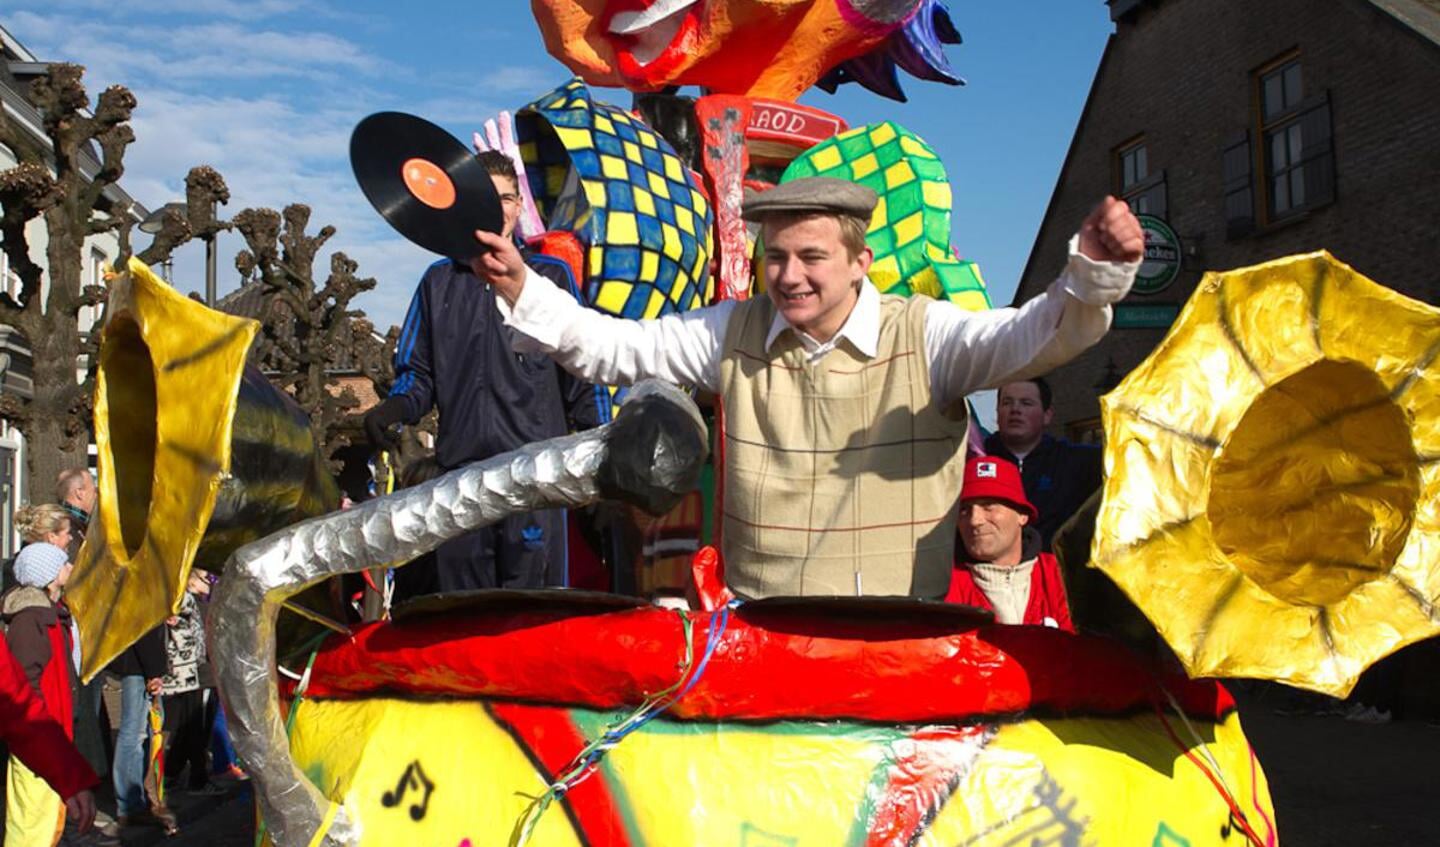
column 991, row 476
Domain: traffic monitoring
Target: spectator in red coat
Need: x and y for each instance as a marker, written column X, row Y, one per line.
column 37, row 634
column 1003, row 568
column 42, row 744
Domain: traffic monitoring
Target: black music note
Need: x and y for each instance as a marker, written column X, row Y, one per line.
column 414, row 777
column 1233, row 825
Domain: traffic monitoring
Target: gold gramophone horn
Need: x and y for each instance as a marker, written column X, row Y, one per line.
column 1272, row 492
column 198, row 454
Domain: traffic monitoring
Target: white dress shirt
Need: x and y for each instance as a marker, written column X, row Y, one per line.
column 968, row 351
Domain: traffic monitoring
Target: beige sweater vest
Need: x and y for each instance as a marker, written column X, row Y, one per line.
column 841, row 477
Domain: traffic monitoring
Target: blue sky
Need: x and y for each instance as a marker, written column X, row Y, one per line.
column 267, row 91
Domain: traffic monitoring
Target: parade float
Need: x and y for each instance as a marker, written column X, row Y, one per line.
column 1270, row 504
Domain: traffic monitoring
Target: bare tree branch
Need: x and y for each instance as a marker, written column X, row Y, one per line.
column 26, row 192
column 111, row 130
column 308, row 330
column 15, row 410
column 104, row 224
column 174, row 231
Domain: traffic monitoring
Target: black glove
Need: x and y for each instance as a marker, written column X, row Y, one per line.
column 380, row 419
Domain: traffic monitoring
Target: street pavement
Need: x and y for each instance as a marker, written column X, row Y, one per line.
column 226, row 820
column 1336, row 783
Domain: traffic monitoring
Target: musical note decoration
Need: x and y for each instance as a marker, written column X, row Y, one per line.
column 413, row 777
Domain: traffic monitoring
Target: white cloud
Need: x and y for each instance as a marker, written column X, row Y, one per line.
column 226, row 52
column 230, row 50
column 271, row 153
column 528, row 80
column 272, row 109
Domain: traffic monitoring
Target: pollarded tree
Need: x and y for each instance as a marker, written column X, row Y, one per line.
column 308, row 330
column 51, row 182
column 205, row 190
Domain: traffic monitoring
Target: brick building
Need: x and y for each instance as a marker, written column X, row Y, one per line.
column 1257, row 129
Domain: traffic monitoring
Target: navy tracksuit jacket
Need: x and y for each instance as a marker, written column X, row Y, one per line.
column 454, row 355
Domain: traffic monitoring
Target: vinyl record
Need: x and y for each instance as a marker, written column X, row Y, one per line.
column 428, row 185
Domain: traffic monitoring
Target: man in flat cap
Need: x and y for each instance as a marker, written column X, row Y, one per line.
column 845, row 419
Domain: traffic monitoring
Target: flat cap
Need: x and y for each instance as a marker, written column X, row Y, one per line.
column 823, row 194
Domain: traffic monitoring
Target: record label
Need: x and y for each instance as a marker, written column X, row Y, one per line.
column 428, row 183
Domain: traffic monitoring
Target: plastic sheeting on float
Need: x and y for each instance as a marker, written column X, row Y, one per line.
column 896, row 722
column 463, row 772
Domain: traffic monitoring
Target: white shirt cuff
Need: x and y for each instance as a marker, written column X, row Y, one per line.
column 1097, row 283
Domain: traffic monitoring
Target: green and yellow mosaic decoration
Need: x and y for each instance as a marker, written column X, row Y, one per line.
column 631, row 201
column 910, row 232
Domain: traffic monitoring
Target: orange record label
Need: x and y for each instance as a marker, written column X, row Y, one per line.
column 429, row 183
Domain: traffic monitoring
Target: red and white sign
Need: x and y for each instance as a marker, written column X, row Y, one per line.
column 791, row 123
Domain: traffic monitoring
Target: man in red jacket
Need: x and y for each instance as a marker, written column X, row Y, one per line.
column 1004, row 569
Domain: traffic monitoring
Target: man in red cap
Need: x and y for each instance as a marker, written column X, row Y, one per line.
column 1003, row 568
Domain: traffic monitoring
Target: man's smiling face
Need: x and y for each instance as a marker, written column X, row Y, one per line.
column 810, row 275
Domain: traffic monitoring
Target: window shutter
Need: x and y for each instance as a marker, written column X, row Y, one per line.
column 1318, row 152
column 1239, row 190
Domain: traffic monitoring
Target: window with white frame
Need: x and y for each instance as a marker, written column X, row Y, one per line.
column 1134, row 181
column 9, row 280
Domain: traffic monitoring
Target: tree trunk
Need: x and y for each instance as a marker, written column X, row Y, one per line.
column 46, row 457
column 58, row 437
column 51, row 444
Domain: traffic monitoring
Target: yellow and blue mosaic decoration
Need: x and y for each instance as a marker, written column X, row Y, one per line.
column 910, row 231
column 642, row 216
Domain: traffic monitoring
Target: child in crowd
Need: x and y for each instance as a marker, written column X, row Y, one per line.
column 184, row 687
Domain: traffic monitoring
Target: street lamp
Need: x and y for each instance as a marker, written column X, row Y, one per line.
column 156, row 221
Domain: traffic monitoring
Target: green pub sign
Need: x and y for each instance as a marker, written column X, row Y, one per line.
column 1162, row 257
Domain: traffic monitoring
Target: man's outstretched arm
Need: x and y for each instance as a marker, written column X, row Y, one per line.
column 683, row 349
column 970, row 351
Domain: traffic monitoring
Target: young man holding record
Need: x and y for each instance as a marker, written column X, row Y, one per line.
column 455, row 354
column 844, row 409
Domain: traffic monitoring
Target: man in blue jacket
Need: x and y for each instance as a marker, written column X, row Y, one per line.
column 1058, row 476
column 454, row 354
